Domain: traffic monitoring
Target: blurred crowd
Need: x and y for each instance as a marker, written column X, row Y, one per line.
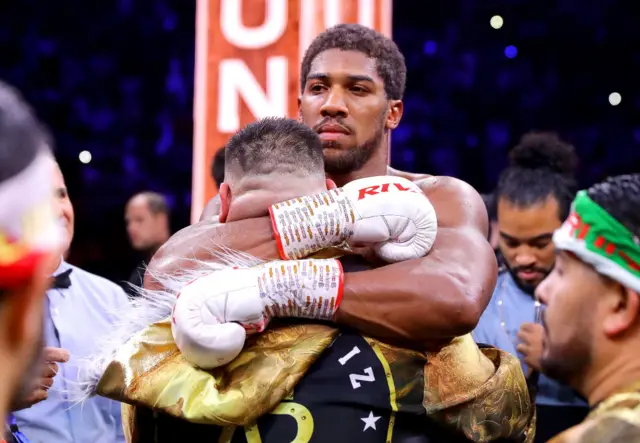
column 123, row 92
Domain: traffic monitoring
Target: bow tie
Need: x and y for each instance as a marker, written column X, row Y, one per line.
column 62, row 280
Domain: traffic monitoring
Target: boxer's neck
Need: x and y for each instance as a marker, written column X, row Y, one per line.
column 254, row 201
column 250, row 205
column 376, row 166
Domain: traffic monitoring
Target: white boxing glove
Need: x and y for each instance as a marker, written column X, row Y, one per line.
column 389, row 213
column 213, row 314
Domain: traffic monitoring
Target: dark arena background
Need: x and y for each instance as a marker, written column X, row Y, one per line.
column 114, row 80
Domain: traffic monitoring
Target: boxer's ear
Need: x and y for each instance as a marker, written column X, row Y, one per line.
column 331, row 184
column 225, row 201
column 299, row 110
column 396, row 108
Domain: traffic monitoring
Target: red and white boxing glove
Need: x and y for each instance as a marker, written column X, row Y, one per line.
column 390, row 213
column 213, row 314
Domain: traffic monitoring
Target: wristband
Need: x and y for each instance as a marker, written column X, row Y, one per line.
column 301, row 288
column 308, row 224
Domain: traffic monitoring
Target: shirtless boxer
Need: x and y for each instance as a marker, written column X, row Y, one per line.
column 337, row 384
column 353, row 79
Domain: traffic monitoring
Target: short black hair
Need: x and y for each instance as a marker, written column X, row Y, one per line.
column 22, row 136
column 274, row 144
column 390, row 62
column 217, row 167
column 620, row 197
column 541, row 165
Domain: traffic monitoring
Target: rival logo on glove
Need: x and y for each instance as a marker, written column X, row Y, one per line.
column 372, row 190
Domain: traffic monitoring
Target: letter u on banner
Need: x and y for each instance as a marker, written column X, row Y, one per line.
column 248, row 55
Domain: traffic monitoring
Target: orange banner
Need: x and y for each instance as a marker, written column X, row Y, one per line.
column 248, row 55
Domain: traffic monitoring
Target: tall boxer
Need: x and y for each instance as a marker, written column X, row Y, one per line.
column 592, row 317
column 358, row 386
column 353, row 79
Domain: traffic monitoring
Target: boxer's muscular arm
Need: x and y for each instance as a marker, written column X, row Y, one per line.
column 418, row 301
column 436, row 297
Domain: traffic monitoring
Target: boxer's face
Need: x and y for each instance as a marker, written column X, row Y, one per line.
column 63, row 205
column 573, row 294
column 345, row 102
column 525, row 240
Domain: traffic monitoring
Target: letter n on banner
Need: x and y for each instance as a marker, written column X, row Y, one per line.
column 248, row 55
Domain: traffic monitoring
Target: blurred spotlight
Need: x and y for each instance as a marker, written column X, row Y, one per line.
column 430, row 47
column 510, row 51
column 615, row 99
column 496, row 22
column 84, row 157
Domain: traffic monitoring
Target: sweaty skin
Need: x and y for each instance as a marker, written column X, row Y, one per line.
column 418, row 303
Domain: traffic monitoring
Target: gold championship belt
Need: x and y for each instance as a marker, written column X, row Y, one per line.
column 478, row 393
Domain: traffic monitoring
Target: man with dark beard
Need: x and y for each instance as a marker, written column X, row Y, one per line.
column 592, row 317
column 533, row 196
column 30, row 241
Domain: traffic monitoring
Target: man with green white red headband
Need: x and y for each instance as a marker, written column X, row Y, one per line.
column 592, row 319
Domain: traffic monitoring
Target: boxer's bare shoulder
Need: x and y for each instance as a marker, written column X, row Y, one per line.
column 408, row 175
column 456, row 202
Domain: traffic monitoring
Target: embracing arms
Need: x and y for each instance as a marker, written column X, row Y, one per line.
column 435, row 297
column 418, row 301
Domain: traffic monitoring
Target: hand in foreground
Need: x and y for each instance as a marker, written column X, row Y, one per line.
column 530, row 346
column 44, row 380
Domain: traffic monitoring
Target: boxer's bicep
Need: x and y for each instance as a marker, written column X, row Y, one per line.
column 457, row 204
column 426, row 300
column 461, row 242
column 461, row 250
column 438, row 296
column 465, row 257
